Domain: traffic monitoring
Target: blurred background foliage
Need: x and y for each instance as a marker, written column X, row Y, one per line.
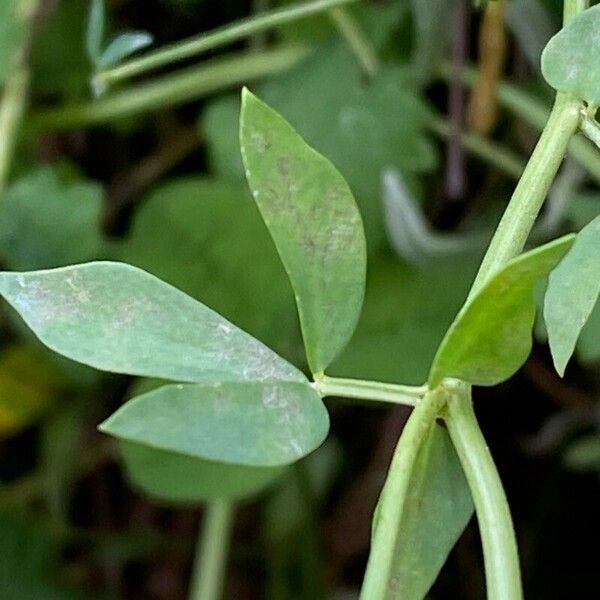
column 161, row 186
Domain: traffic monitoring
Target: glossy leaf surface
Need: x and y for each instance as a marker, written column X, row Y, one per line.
column 314, row 221
column 572, row 293
column 245, row 423
column 492, row 335
column 115, row 317
column 570, row 59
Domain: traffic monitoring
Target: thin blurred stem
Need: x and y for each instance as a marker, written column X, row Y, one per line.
column 215, row 39
column 573, row 7
column 590, row 128
column 358, row 42
column 12, row 109
column 455, row 156
column 488, row 151
column 171, row 90
column 208, row 576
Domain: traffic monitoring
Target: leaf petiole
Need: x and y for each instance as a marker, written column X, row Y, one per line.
column 369, row 390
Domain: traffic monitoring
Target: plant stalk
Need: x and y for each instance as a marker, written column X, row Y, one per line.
column 502, row 572
column 216, row 39
column 369, row 390
column 12, row 109
column 354, row 36
column 378, row 574
column 171, row 90
column 530, row 193
column 497, row 532
column 488, row 151
column 208, row 576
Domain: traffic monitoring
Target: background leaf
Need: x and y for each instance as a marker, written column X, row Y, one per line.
column 570, row 59
column 572, row 293
column 124, row 45
column 49, row 221
column 282, row 421
column 491, row 336
column 118, row 318
column 437, row 510
column 179, row 478
column 311, row 214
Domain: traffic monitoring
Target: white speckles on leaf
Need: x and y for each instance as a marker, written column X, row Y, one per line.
column 315, row 224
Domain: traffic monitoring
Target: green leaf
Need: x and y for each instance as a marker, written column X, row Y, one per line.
column 257, row 424
column 122, row 46
column 13, row 31
column 313, row 219
column 572, row 293
column 570, row 59
column 115, row 317
column 437, row 510
column 178, row 478
column 95, row 30
column 491, row 336
column 47, row 222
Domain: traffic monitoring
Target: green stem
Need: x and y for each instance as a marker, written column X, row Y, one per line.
column 488, row 151
column 208, row 575
column 360, row 45
column 369, row 390
column 573, row 7
column 497, row 532
column 530, row 193
column 215, row 39
column 379, row 568
column 171, row 90
column 503, row 577
column 590, row 128
column 12, row 109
